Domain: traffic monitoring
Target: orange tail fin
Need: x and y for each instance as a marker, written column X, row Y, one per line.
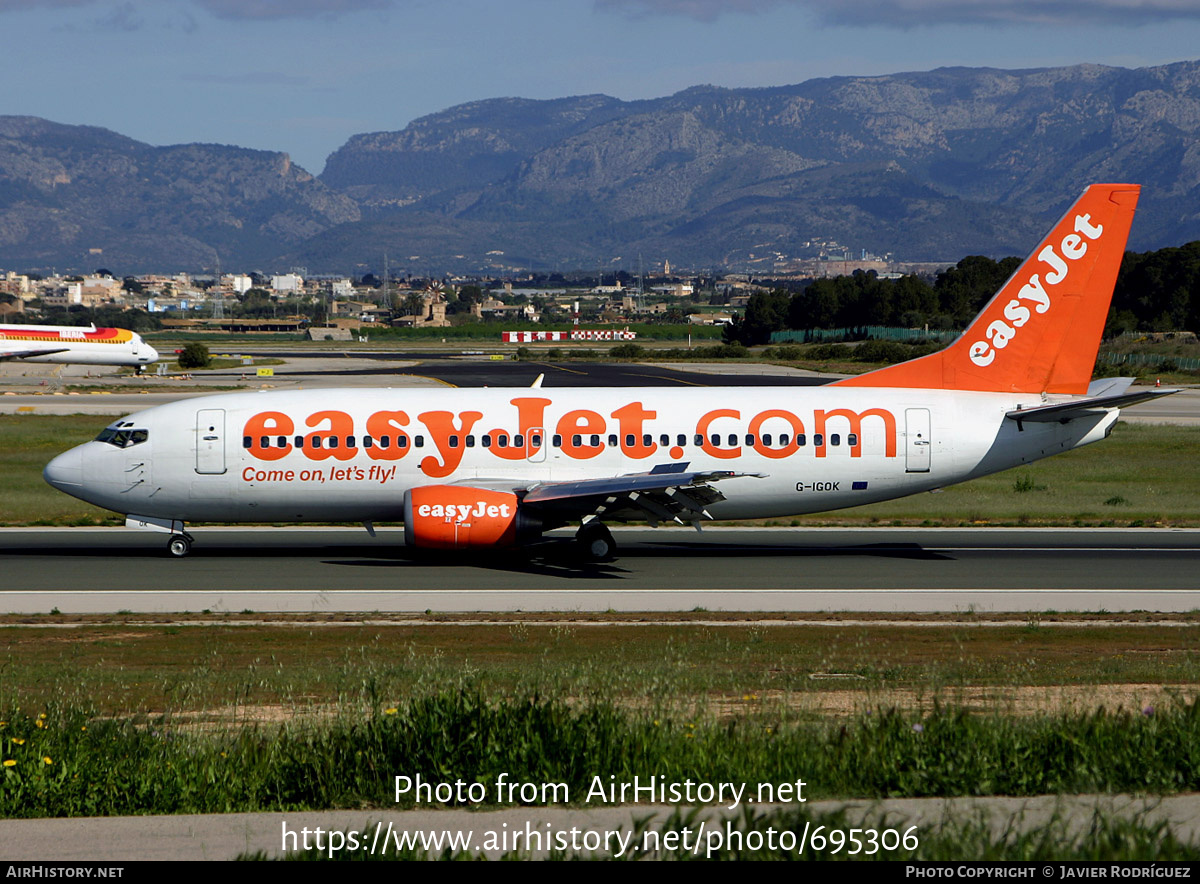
column 1041, row 331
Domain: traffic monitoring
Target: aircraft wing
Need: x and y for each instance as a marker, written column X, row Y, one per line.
column 1064, row 411
column 24, row 354
column 667, row 493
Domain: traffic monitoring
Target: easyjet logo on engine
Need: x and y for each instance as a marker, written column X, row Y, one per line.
column 1001, row 332
column 462, row 511
column 457, row 517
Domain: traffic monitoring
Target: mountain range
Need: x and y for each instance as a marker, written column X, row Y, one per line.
column 926, row 165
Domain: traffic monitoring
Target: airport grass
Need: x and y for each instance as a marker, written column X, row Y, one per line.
column 215, row 674
column 69, row 762
column 1140, row 476
column 141, row 718
column 27, row 444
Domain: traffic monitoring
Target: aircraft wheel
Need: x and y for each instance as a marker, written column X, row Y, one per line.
column 179, row 545
column 596, row 543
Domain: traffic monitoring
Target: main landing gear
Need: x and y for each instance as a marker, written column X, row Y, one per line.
column 595, row 542
column 180, row 545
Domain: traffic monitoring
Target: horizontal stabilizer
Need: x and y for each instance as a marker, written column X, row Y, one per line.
column 1108, row 387
column 1065, row 411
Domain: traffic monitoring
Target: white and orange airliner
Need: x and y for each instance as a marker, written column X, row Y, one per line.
column 482, row 468
column 75, row 345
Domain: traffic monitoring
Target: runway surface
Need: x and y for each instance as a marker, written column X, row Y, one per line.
column 333, row 570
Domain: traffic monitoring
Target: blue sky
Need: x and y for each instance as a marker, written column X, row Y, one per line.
column 303, row 75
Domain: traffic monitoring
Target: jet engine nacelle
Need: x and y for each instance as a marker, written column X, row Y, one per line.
column 458, row 516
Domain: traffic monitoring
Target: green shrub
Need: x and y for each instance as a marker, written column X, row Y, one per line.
column 194, row 355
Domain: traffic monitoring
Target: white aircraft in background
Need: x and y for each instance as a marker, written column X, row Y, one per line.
column 483, row 468
column 75, row 345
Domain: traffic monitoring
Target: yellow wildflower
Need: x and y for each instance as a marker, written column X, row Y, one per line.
column 391, row 710
column 46, row 758
column 39, row 723
column 8, row 762
column 18, row 741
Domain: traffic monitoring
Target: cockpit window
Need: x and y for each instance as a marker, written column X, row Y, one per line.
column 122, row 437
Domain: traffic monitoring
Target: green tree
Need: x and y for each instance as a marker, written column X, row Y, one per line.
column 963, row 289
column 194, row 355
column 412, row 305
column 766, row 312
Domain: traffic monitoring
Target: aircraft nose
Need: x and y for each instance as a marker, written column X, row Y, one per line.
column 151, row 355
column 65, row 471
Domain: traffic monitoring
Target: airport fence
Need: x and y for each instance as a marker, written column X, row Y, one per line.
column 1152, row 360
column 862, row 333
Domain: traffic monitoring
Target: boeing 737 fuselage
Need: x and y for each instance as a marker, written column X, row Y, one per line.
column 498, row 467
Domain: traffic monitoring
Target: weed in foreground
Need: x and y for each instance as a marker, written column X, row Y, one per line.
column 100, row 767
